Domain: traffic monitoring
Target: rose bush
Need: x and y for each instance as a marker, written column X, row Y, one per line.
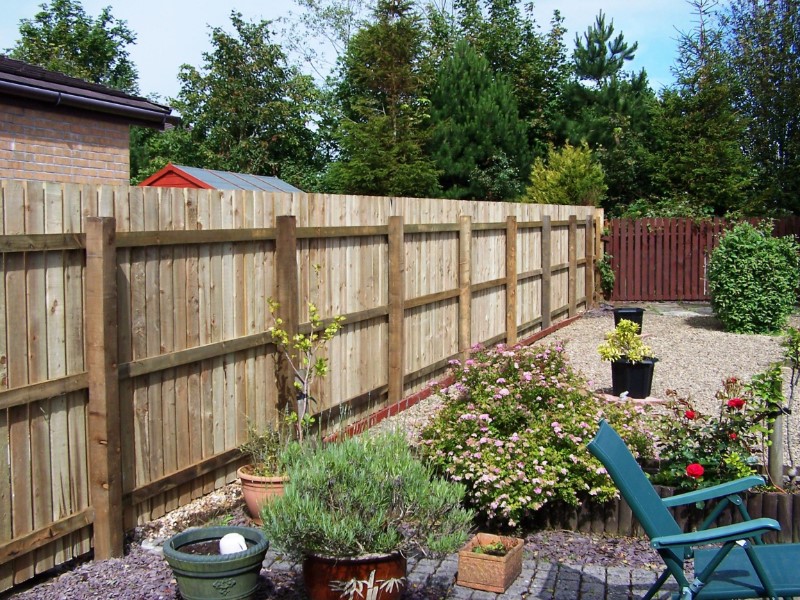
column 514, row 430
column 696, row 449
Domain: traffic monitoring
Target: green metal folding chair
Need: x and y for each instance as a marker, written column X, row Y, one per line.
column 737, row 564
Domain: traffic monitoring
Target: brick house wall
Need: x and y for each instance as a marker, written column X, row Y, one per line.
column 54, row 145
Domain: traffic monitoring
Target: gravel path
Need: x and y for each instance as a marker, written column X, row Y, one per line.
column 695, row 355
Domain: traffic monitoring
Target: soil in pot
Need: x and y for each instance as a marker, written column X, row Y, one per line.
column 379, row 577
column 210, row 575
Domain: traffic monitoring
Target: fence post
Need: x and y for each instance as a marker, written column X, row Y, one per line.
column 546, row 273
column 588, row 254
column 397, row 294
column 286, row 289
column 572, row 242
column 105, row 465
column 776, row 451
column 464, row 286
column 511, row 280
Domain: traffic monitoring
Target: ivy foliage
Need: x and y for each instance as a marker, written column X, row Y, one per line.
column 753, row 279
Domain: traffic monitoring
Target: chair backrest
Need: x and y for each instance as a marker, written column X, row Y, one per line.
column 633, row 484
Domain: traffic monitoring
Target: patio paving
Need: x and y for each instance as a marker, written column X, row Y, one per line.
column 431, row 579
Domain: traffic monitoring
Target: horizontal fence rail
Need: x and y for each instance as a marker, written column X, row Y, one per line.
column 666, row 259
column 135, row 350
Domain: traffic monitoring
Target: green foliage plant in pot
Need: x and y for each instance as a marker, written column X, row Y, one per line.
column 354, row 509
column 203, row 573
column 265, row 476
column 302, row 352
column 632, row 361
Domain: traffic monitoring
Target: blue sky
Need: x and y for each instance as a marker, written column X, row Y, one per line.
column 173, row 32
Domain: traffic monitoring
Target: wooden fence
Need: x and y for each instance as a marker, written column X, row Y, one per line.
column 666, row 259
column 616, row 518
column 134, row 347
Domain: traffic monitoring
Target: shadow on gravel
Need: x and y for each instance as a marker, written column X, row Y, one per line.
column 701, row 322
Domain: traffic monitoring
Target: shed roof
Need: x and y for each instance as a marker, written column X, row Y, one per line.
column 194, row 177
column 21, row 80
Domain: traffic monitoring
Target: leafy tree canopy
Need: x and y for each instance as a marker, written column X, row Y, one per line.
column 477, row 129
column 245, row 108
column 62, row 37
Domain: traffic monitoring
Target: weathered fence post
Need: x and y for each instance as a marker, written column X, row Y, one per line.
column 572, row 244
column 546, row 273
column 105, row 468
column 511, row 280
column 588, row 254
column 776, row 451
column 286, row 290
column 397, row 294
column 464, row 286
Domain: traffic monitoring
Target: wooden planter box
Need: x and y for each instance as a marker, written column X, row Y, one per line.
column 486, row 572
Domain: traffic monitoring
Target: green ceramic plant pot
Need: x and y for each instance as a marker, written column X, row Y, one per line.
column 216, row 576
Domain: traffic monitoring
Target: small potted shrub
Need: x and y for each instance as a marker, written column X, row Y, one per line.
column 354, row 509
column 490, row 562
column 632, row 361
column 264, row 477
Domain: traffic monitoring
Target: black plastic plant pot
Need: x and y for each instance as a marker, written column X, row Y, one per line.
column 634, row 378
column 216, row 576
column 630, row 314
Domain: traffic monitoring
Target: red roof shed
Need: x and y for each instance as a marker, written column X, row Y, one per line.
column 177, row 176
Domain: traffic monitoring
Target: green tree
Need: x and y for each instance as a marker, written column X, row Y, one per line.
column 612, row 110
column 571, row 175
column 701, row 158
column 385, row 126
column 246, row 109
column 533, row 62
column 62, row 37
column 763, row 44
column 479, row 142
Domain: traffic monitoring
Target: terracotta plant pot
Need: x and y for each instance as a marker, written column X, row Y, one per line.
column 257, row 490
column 377, row 577
column 485, row 571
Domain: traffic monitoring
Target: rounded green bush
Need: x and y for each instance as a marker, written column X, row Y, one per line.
column 753, row 279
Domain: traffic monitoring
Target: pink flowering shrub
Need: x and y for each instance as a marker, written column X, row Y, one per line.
column 514, row 430
column 725, row 446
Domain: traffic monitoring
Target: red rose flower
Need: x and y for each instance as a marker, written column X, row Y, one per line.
column 695, row 470
column 733, row 435
column 736, row 403
column 690, row 414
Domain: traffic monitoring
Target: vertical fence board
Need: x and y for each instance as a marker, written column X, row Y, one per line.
column 547, row 276
column 102, row 360
column 18, row 416
column 464, row 283
column 511, row 280
column 6, row 572
column 572, row 260
column 396, row 282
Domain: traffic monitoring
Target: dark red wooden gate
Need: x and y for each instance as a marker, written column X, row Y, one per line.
column 666, row 259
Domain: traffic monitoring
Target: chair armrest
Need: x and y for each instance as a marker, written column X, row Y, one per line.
column 714, row 491
column 717, row 535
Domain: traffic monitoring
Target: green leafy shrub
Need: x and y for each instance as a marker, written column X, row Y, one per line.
column 365, row 495
column 697, row 450
column 514, row 429
column 753, row 279
column 571, row 175
column 607, row 275
column 624, row 342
